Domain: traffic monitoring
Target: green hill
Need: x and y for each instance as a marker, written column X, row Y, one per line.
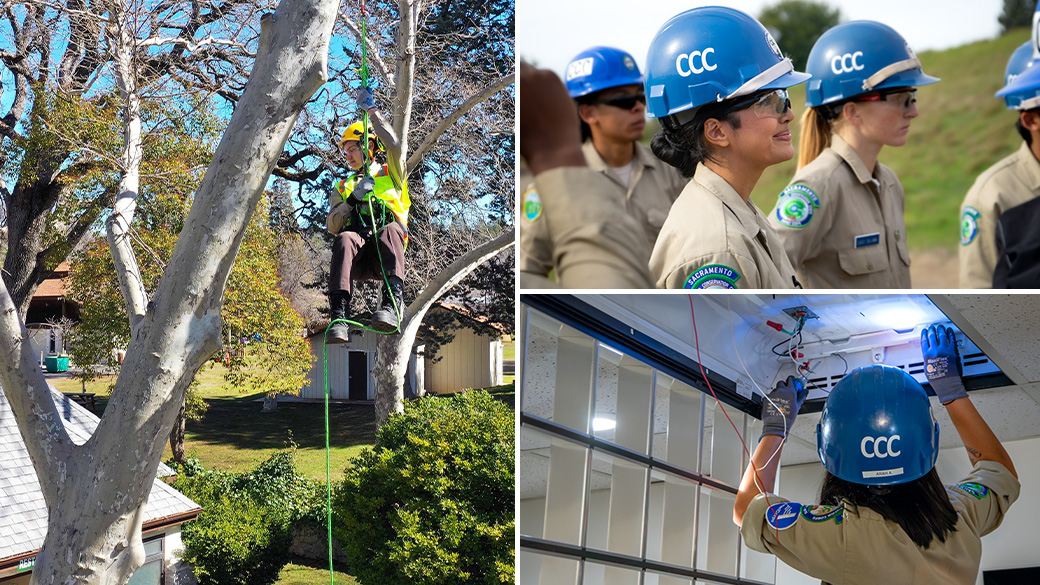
column 961, row 130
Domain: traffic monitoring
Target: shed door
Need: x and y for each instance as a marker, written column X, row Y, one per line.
column 358, row 373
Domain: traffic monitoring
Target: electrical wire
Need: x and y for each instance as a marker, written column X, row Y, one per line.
column 764, row 393
column 755, row 470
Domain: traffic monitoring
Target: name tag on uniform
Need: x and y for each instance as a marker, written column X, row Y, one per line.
column 868, row 240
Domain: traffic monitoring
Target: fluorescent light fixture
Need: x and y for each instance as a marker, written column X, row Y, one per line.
column 603, row 423
column 899, row 317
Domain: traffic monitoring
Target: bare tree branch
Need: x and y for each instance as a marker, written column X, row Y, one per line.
column 469, row 104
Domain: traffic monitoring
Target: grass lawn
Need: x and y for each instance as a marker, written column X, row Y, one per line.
column 235, row 436
column 297, row 574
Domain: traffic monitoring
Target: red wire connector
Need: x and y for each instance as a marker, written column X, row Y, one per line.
column 775, row 325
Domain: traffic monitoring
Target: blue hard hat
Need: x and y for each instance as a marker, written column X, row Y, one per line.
column 711, row 54
column 877, row 428
column 600, row 68
column 859, row 57
column 1021, row 95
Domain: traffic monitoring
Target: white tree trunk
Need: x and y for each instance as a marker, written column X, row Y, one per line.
column 96, row 492
column 393, row 350
column 118, row 224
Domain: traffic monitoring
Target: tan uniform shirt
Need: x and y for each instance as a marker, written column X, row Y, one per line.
column 652, row 187
column 845, row 547
column 843, row 227
column 595, row 242
column 1010, row 182
column 714, row 239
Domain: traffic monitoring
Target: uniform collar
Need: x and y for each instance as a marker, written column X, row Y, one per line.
column 846, row 152
column 1032, row 165
column 718, row 186
column 643, row 157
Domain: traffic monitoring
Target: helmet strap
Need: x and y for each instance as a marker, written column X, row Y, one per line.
column 889, row 70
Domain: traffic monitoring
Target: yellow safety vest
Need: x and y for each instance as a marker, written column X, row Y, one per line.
column 390, row 191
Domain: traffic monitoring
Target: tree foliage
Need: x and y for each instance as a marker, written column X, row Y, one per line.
column 797, row 25
column 1016, row 14
column 432, row 504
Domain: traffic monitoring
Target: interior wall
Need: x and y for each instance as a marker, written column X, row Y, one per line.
column 1012, row 545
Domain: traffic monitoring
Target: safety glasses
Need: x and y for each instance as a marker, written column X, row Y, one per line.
column 903, row 97
column 773, row 104
column 625, row 102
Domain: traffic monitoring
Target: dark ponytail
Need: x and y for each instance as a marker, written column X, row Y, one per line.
column 683, row 146
column 921, row 507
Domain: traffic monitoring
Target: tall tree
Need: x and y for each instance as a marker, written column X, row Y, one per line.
column 442, row 73
column 88, row 58
column 95, row 492
column 797, row 25
column 1016, row 14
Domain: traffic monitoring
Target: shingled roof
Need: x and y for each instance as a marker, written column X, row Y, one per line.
column 23, row 512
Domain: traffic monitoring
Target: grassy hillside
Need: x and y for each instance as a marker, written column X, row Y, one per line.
column 962, row 129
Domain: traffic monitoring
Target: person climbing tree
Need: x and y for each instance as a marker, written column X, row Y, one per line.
column 368, row 214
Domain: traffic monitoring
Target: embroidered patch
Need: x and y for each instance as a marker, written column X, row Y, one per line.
column 783, row 515
column 868, row 240
column 976, row 489
column 824, row 513
column 532, row 205
column 969, row 225
column 713, row 276
column 796, row 205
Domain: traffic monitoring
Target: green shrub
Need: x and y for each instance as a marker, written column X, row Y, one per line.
column 244, row 533
column 236, row 542
column 433, row 502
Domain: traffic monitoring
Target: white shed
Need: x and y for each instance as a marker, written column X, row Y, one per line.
column 469, row 361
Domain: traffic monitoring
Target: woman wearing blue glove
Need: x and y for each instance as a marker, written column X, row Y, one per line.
column 368, row 209
column 885, row 515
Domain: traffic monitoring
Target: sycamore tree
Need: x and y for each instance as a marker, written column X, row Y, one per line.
column 95, row 492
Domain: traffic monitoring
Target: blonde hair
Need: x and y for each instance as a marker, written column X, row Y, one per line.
column 816, row 134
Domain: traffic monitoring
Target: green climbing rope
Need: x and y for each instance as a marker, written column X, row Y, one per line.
column 386, row 282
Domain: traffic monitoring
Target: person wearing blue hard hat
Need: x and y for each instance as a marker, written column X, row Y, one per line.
column 607, row 88
column 596, row 242
column 717, row 81
column 841, row 217
column 885, row 516
column 1013, row 183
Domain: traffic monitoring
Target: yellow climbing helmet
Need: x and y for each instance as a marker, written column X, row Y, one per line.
column 356, row 131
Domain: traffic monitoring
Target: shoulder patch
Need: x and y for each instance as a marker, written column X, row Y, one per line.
column 824, row 513
column 976, row 489
column 969, row 225
column 783, row 515
column 796, row 205
column 712, row 276
column 532, row 205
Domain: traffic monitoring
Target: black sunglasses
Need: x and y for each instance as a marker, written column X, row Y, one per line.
column 904, row 95
column 625, row 102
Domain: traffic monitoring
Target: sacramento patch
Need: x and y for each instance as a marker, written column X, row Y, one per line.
column 713, row 276
column 532, row 205
column 783, row 515
column 969, row 225
column 976, row 489
column 796, row 206
column 824, row 513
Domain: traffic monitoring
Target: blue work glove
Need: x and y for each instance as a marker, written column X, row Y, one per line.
column 942, row 366
column 365, row 101
column 363, row 189
column 788, row 397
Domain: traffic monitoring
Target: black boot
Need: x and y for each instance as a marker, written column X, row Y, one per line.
column 339, row 302
column 385, row 319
